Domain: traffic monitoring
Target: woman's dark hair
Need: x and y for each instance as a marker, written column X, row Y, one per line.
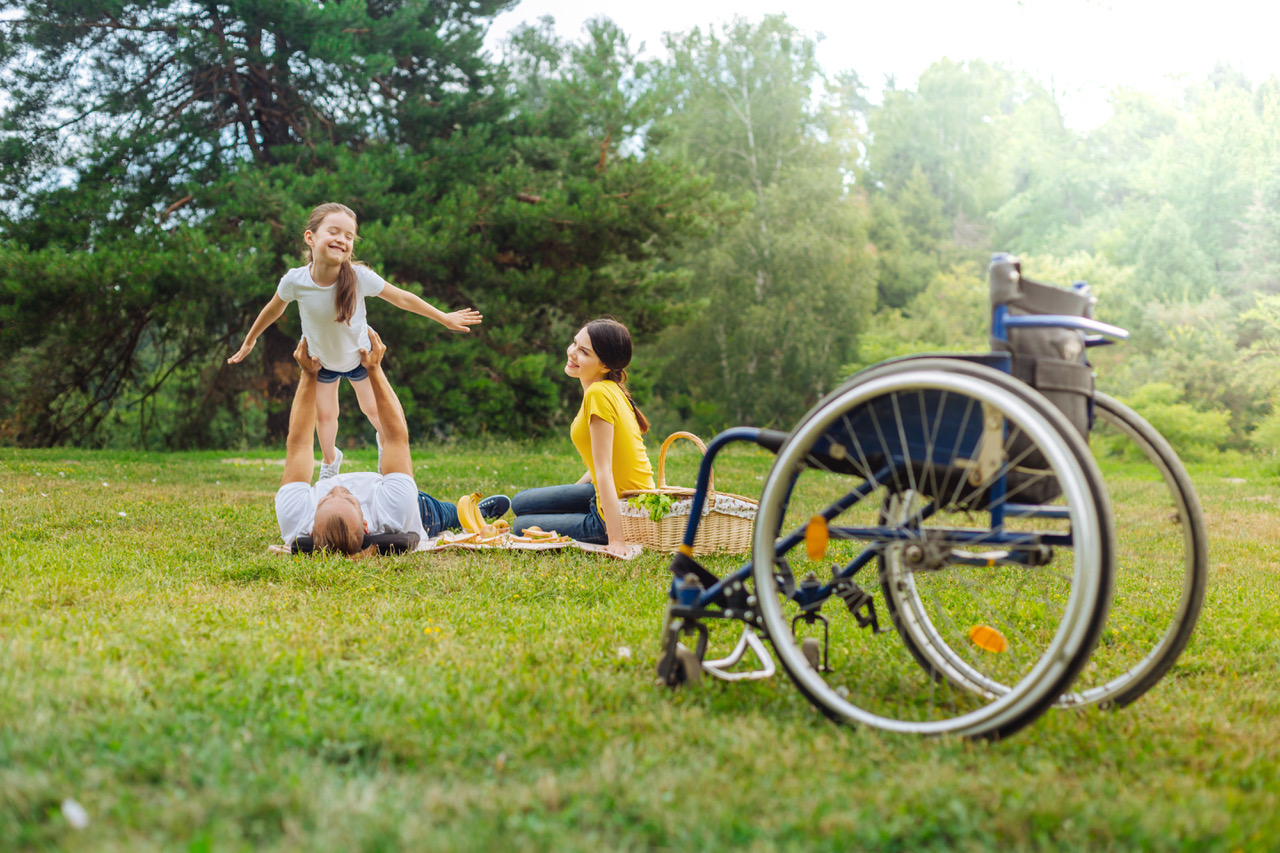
column 612, row 342
column 344, row 293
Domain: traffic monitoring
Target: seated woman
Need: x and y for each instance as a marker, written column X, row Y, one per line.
column 607, row 434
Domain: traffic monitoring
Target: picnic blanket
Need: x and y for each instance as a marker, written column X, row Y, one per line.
column 501, row 542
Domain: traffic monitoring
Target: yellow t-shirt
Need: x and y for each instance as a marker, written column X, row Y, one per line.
column 605, row 400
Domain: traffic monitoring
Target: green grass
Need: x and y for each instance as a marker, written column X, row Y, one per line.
column 193, row 692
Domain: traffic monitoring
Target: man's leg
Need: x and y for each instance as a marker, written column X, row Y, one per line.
column 300, row 457
column 395, row 433
column 437, row 516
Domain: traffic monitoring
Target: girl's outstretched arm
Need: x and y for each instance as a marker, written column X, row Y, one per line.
column 456, row 321
column 266, row 317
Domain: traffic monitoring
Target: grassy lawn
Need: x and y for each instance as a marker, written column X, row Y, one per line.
column 191, row 691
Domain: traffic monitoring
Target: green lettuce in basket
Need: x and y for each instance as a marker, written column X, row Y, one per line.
column 657, row 505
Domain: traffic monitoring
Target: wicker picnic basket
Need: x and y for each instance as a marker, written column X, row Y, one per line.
column 726, row 523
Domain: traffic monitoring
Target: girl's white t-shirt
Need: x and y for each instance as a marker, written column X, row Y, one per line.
column 337, row 345
column 389, row 504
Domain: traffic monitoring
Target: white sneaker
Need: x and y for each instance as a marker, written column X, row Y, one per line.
column 331, row 469
column 378, row 436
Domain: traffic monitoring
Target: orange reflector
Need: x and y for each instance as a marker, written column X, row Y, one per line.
column 988, row 639
column 816, row 536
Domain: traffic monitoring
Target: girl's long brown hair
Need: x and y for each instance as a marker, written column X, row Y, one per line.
column 344, row 292
column 612, row 343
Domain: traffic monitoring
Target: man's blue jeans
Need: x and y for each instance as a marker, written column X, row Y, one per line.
column 437, row 516
column 568, row 510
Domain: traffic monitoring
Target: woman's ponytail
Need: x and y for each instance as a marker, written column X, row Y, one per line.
column 620, row 376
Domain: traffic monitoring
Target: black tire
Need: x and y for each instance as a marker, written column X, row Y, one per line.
column 1162, row 560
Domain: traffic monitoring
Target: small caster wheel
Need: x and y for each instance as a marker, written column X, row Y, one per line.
column 812, row 652
column 688, row 669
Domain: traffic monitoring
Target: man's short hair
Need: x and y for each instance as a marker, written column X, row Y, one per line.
column 335, row 532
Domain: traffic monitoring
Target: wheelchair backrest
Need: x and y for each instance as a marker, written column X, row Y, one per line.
column 1048, row 358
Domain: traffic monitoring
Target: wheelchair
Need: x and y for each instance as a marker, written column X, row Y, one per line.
column 972, row 485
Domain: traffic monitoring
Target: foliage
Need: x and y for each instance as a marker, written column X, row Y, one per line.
column 758, row 222
column 656, row 505
column 951, row 315
column 468, row 203
column 954, row 130
column 164, row 94
column 1193, row 434
column 782, row 290
column 1256, row 256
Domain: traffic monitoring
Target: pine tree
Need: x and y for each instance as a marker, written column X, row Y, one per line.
column 207, row 132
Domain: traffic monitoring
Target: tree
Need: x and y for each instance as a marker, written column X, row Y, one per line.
column 953, row 127
column 537, row 217
column 781, row 290
column 161, row 93
column 1173, row 268
column 126, row 117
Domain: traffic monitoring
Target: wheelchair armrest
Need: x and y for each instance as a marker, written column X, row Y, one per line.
column 1063, row 321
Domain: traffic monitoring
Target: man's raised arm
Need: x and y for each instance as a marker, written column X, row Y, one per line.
column 395, row 432
column 299, row 458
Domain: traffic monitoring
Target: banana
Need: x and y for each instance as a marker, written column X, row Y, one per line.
column 469, row 512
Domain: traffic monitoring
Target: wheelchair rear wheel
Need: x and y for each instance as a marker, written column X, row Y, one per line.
column 988, row 523
column 1162, row 559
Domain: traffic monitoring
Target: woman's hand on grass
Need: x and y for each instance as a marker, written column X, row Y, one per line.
column 618, row 549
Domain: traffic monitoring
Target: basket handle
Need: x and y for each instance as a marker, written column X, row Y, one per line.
column 662, row 458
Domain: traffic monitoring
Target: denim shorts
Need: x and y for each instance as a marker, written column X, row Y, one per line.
column 325, row 376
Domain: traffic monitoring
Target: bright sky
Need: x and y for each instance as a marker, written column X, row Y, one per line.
column 1083, row 49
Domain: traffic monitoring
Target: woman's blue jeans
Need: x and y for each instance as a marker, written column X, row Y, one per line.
column 568, row 510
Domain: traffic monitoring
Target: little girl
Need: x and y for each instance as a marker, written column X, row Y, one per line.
column 330, row 292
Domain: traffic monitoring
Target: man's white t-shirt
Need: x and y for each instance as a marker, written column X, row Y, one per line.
column 389, row 503
column 337, row 345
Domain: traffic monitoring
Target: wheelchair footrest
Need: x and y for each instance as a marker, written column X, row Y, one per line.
column 719, row 668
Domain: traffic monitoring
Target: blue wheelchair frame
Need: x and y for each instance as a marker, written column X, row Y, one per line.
column 696, row 593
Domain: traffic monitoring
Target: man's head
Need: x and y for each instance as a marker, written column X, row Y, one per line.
column 339, row 525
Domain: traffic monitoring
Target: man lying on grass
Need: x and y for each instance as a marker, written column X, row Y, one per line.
column 338, row 511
